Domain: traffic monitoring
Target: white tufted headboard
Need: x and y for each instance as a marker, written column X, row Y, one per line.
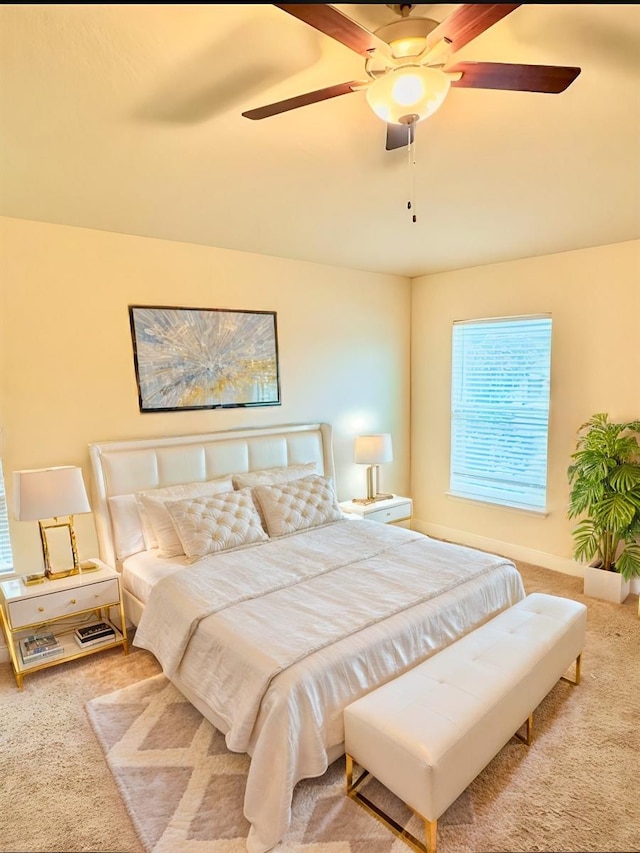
column 125, row 467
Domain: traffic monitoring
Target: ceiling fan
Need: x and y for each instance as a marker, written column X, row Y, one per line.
column 408, row 64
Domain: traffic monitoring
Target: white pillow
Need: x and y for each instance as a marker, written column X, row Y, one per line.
column 297, row 505
column 213, row 523
column 125, row 520
column 270, row 476
column 152, row 503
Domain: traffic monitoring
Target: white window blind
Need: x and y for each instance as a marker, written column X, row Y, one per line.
column 500, row 410
column 6, row 556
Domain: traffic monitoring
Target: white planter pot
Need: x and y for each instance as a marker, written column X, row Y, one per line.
column 609, row 586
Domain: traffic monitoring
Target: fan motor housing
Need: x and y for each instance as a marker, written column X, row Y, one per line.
column 408, row 28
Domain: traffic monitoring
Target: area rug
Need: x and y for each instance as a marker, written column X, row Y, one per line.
column 184, row 789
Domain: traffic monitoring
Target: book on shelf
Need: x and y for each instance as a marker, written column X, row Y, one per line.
column 97, row 641
column 36, row 644
column 28, row 654
column 94, row 633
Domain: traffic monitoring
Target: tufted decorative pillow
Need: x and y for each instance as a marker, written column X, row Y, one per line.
column 297, row 505
column 152, row 503
column 271, row 476
column 215, row 523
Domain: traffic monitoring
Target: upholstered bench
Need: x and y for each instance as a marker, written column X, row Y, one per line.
column 428, row 733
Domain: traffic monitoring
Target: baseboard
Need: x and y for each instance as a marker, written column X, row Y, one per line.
column 508, row 549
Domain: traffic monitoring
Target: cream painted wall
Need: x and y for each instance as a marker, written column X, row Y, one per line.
column 594, row 299
column 67, row 363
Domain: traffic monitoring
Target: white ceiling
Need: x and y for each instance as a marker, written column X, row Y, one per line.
column 127, row 118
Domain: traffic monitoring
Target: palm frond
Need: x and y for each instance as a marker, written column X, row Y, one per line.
column 628, row 561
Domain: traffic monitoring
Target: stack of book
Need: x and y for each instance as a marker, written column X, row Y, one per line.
column 94, row 634
column 39, row 647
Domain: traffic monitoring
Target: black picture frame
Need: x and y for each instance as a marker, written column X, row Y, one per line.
column 204, row 358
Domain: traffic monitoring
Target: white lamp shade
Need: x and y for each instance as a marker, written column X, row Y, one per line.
column 411, row 90
column 48, row 493
column 373, row 449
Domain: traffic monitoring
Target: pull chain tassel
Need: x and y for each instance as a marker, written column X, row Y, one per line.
column 410, row 186
column 411, row 153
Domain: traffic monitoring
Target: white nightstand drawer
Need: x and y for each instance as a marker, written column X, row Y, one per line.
column 66, row 602
column 390, row 514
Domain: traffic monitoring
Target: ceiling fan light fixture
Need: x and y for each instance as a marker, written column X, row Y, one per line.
column 411, row 90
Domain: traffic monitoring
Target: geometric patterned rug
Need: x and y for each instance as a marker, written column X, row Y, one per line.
column 184, row 790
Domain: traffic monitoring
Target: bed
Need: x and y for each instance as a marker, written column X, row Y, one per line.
column 268, row 607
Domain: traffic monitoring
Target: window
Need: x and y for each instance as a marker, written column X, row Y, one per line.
column 6, row 556
column 500, row 410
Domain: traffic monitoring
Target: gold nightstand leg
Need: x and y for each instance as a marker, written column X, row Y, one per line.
column 123, row 625
column 8, row 638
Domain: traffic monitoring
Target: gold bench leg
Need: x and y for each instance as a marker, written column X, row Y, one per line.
column 431, row 826
column 349, row 769
column 528, row 735
column 576, row 679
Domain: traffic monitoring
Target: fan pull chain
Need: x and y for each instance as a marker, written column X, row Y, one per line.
column 411, row 153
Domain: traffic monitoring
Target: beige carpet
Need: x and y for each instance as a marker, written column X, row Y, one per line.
column 575, row 789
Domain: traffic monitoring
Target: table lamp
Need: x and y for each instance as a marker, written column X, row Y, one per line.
column 40, row 494
column 372, row 450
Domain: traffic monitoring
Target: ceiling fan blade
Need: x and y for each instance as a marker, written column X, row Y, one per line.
column 468, row 22
column 398, row 135
column 330, row 21
column 551, row 79
column 303, row 100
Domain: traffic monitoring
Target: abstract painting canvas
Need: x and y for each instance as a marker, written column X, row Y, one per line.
column 204, row 358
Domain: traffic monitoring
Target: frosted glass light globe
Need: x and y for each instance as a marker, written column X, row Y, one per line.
column 412, row 90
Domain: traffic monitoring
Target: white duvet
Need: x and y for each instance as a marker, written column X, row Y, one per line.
column 277, row 638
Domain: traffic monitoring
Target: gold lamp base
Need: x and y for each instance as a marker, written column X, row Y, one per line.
column 373, row 495
column 87, row 566
column 365, row 501
column 65, row 573
column 48, row 570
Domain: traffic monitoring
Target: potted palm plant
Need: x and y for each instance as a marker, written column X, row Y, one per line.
column 605, row 490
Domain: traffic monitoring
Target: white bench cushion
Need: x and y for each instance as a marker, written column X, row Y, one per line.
column 428, row 733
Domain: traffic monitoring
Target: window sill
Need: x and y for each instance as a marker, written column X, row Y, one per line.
column 527, row 510
column 9, row 575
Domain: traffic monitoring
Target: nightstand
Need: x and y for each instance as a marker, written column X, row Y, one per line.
column 60, row 606
column 396, row 510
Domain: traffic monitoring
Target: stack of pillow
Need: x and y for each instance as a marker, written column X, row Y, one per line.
column 197, row 519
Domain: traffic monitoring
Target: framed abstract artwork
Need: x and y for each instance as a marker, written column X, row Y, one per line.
column 204, row 358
